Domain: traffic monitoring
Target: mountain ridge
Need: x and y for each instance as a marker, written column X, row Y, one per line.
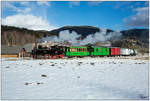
column 11, row 35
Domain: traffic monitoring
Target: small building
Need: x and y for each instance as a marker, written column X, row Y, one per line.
column 14, row 51
column 10, row 51
column 28, row 49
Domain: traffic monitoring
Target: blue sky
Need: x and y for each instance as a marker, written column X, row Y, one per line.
column 116, row 15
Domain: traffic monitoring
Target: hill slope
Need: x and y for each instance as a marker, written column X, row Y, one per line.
column 133, row 38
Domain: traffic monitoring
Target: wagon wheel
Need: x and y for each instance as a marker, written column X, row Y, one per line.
column 54, row 57
column 46, row 56
column 37, row 57
column 50, row 57
column 57, row 56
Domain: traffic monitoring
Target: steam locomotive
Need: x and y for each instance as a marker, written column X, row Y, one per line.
column 55, row 52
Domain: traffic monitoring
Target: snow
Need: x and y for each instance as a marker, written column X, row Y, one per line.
column 83, row 78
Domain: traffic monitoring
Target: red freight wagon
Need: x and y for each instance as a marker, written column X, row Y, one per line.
column 114, row 51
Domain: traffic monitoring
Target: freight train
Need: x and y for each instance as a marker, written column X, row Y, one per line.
column 55, row 52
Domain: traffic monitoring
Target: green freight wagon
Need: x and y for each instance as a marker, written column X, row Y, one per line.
column 76, row 51
column 100, row 51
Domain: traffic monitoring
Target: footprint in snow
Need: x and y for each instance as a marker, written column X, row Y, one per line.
column 79, row 63
column 92, row 63
column 143, row 96
column 78, row 77
column 40, row 63
column 43, row 75
column 38, row 83
column 59, row 67
column 52, row 65
column 7, row 66
column 27, row 83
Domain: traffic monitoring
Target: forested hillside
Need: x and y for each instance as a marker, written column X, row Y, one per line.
column 133, row 38
column 18, row 36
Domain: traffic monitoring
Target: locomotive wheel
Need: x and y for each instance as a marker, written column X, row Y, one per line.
column 34, row 56
column 50, row 57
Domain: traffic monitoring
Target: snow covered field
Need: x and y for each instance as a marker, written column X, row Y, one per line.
column 86, row 78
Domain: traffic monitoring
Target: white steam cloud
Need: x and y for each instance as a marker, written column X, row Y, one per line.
column 73, row 37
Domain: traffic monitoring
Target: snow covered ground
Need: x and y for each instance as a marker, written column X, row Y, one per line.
column 86, row 78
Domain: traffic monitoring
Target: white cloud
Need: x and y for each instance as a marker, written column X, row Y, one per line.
column 94, row 3
column 141, row 18
column 141, row 9
column 24, row 3
column 26, row 10
column 11, row 6
column 74, row 3
column 46, row 3
column 124, row 5
column 27, row 21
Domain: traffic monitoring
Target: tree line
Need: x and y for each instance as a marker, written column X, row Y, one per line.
column 19, row 36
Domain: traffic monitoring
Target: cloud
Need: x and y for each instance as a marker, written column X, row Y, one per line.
column 26, row 10
column 94, row 3
column 129, row 5
column 141, row 9
column 140, row 19
column 45, row 3
column 74, row 3
column 27, row 21
column 10, row 5
column 123, row 5
column 24, row 3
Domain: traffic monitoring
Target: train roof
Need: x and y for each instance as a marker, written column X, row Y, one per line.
column 96, row 47
column 104, row 47
column 92, row 47
column 78, row 47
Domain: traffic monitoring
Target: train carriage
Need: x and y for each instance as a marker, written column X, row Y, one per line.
column 77, row 51
column 125, row 51
column 100, row 51
column 114, row 51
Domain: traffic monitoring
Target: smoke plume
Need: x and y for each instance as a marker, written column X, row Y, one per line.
column 73, row 37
